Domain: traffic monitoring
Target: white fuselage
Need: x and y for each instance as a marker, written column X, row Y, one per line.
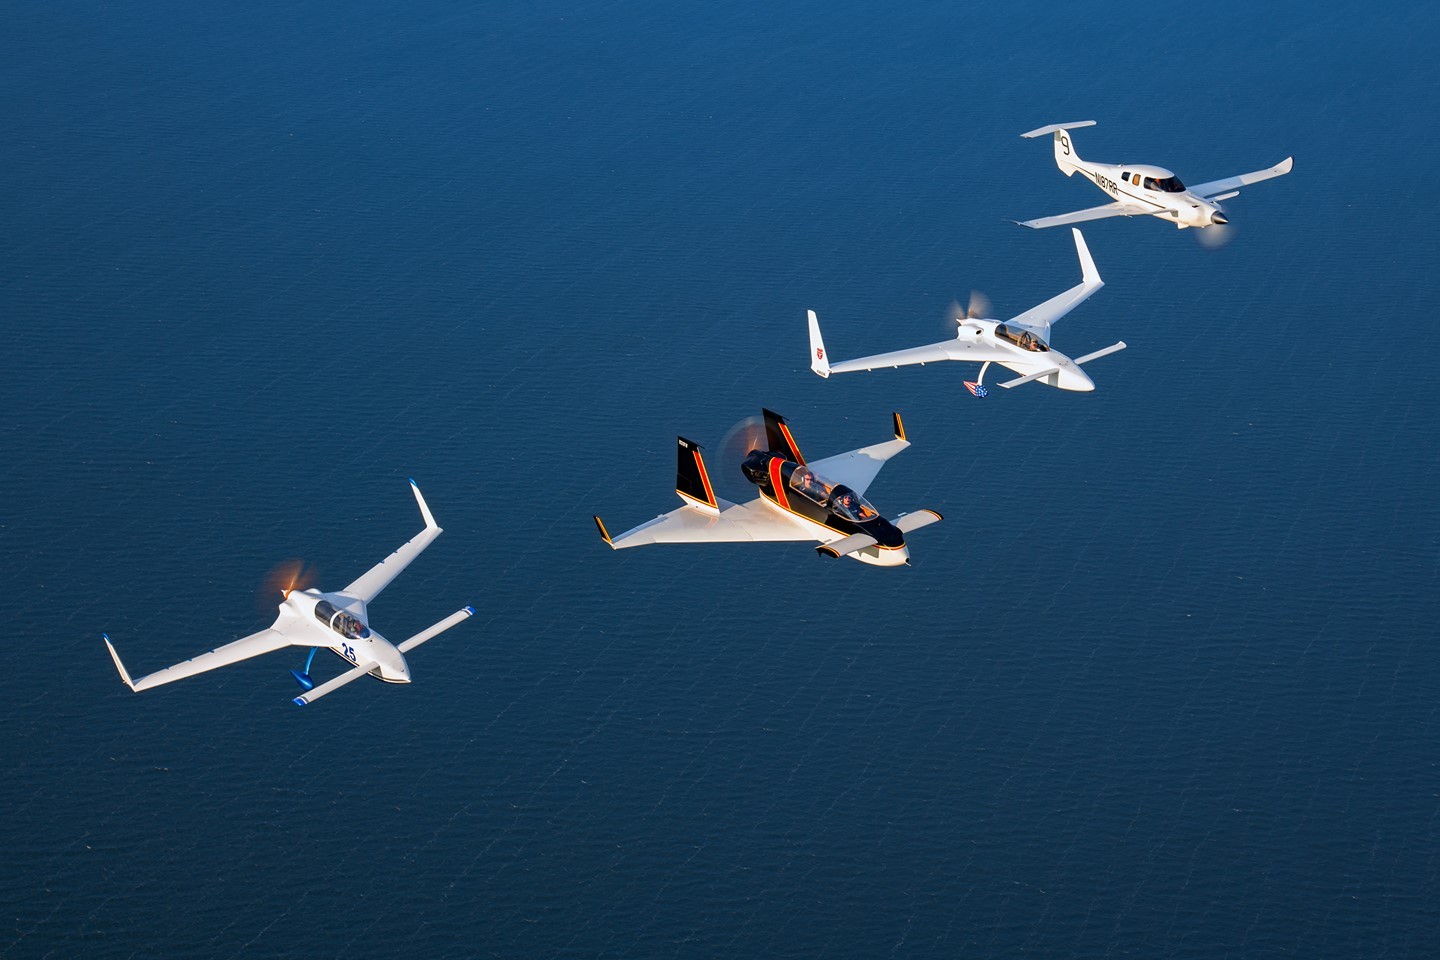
column 1067, row 376
column 1127, row 183
column 343, row 632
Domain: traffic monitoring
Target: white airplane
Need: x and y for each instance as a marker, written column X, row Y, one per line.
column 821, row 500
column 333, row 621
column 1021, row 344
column 1141, row 189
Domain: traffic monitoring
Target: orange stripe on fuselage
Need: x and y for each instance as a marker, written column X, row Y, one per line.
column 777, row 484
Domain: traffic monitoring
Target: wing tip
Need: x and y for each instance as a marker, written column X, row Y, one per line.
column 899, row 426
column 429, row 517
column 120, row 667
column 604, row 534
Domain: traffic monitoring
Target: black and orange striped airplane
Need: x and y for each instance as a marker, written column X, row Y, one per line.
column 823, row 500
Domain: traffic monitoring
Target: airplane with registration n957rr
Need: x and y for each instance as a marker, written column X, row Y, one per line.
column 822, row 500
column 1021, row 344
column 337, row 622
column 1143, row 189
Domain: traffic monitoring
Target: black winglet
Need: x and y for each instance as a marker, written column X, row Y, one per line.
column 692, row 480
column 779, row 438
column 899, row 426
column 604, row 534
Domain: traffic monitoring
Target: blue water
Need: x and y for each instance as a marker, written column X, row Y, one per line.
column 1162, row 684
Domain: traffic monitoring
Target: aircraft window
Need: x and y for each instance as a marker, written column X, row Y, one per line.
column 1125, row 175
column 807, row 484
column 339, row 621
column 1022, row 338
column 351, row 627
column 852, row 506
column 1135, row 179
column 1170, row 185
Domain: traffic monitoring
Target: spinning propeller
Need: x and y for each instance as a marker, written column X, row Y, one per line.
column 979, row 308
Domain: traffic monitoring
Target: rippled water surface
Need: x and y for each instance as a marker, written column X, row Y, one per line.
column 1163, row 683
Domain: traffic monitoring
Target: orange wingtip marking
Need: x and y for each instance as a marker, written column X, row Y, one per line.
column 604, row 534
column 899, row 427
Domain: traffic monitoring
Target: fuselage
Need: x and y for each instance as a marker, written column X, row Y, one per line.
column 337, row 623
column 1153, row 187
column 836, row 511
column 1030, row 350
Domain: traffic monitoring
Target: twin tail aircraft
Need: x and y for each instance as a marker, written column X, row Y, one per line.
column 1143, row 189
column 821, row 500
column 338, row 622
column 1021, row 344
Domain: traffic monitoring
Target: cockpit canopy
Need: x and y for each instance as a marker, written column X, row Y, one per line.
column 1023, row 339
column 1153, row 178
column 341, row 622
column 838, row 499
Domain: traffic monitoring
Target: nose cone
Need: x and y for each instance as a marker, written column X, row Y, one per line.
column 1219, row 219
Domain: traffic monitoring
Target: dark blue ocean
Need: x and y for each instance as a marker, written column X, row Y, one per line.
column 1163, row 684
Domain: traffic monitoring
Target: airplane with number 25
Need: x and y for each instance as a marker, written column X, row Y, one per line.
column 1142, row 189
column 822, row 500
column 1021, row 344
column 337, row 622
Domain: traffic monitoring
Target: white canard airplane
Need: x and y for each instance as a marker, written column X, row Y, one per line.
column 1022, row 344
column 1141, row 189
column 820, row 500
column 334, row 621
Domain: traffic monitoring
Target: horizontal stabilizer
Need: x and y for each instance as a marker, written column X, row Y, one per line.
column 1113, row 348
column 914, row 521
column 1054, row 127
column 430, row 633
column 846, row 545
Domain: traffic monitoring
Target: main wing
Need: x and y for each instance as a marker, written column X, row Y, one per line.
column 266, row 641
column 858, row 468
column 1217, row 187
column 378, row 577
column 1042, row 316
column 931, row 353
column 1116, row 209
column 732, row 523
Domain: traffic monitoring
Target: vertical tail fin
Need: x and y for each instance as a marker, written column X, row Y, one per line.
column 779, row 438
column 818, row 361
column 692, row 480
column 1065, row 156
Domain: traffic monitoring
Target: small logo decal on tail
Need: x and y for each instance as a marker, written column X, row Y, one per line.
column 976, row 389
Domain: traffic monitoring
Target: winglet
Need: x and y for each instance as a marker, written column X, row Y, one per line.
column 1087, row 262
column 604, row 534
column 818, row 361
column 124, row 674
column 430, row 523
column 899, row 426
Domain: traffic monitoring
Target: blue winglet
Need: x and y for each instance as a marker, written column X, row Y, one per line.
column 470, row 610
column 298, row 701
